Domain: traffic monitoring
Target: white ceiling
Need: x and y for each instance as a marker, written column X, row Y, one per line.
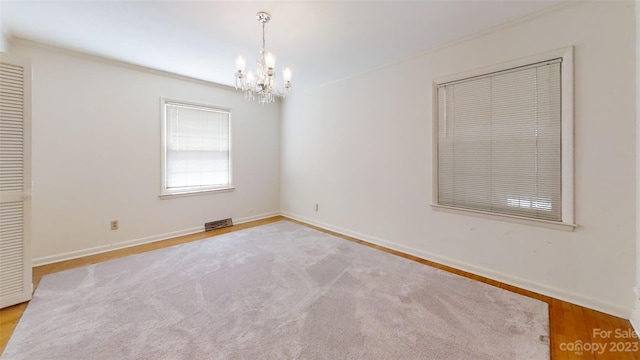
column 322, row 41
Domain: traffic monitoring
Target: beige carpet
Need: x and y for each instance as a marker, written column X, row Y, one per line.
column 278, row 291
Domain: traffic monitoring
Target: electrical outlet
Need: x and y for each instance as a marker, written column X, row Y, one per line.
column 114, row 225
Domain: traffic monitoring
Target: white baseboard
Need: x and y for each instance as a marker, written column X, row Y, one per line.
column 113, row 246
column 635, row 318
column 556, row 293
column 507, row 279
column 44, row 260
column 256, row 217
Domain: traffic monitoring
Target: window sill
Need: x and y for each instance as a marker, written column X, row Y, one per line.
column 508, row 218
column 172, row 195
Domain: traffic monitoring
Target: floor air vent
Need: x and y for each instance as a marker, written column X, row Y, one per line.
column 218, row 224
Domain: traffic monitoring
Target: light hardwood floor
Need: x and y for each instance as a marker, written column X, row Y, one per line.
column 569, row 324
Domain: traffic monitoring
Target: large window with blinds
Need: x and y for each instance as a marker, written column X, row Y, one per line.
column 196, row 148
column 500, row 143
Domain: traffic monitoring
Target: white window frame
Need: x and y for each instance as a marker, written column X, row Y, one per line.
column 168, row 193
column 567, row 177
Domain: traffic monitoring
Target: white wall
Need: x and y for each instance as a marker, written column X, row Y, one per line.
column 635, row 319
column 96, row 155
column 4, row 41
column 361, row 149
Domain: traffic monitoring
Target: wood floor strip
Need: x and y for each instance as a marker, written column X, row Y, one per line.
column 558, row 330
column 569, row 323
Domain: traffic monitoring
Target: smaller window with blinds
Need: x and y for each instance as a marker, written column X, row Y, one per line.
column 500, row 143
column 196, row 149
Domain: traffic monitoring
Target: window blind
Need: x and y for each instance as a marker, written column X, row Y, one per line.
column 197, row 148
column 499, row 147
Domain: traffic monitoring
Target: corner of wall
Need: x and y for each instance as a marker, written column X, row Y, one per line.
column 635, row 317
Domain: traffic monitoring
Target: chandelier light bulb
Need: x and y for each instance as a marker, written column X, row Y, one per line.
column 270, row 61
column 286, row 75
column 240, row 64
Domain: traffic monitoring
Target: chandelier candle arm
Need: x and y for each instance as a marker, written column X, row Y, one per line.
column 263, row 83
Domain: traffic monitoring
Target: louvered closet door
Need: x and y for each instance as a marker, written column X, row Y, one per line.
column 15, row 181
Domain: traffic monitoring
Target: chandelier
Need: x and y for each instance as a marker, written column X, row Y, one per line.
column 262, row 83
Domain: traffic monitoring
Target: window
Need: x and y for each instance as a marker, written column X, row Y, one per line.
column 501, row 142
column 196, row 148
